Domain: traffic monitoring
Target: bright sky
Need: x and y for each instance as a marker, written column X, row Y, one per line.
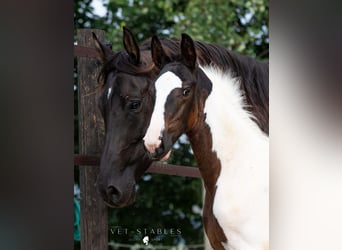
column 99, row 9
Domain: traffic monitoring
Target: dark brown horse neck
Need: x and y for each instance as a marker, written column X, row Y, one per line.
column 210, row 167
column 208, row 162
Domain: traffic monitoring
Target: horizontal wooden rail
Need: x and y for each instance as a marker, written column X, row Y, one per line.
column 155, row 168
column 170, row 169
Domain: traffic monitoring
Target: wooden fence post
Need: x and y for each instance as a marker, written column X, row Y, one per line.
column 94, row 213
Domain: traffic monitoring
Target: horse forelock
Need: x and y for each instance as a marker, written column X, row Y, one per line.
column 121, row 62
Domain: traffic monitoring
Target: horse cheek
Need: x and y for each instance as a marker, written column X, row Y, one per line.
column 193, row 117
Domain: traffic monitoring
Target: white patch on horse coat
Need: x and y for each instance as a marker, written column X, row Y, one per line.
column 109, row 92
column 164, row 85
column 241, row 203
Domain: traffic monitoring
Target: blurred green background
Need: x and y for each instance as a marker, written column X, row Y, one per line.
column 168, row 202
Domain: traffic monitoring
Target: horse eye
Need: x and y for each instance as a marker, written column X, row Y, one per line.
column 134, row 105
column 186, row 91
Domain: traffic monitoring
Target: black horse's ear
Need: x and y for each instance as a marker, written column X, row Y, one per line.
column 159, row 56
column 104, row 53
column 131, row 46
column 188, row 51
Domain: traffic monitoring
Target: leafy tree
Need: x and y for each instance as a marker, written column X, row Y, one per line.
column 239, row 25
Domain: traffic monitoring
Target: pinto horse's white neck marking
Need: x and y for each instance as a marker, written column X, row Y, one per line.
column 109, row 92
column 164, row 86
column 242, row 198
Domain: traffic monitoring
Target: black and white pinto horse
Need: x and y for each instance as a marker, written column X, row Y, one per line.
column 220, row 100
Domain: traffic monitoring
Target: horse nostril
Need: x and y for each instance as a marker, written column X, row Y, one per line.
column 114, row 193
column 161, row 135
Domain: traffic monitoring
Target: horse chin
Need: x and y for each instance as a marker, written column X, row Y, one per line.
column 119, row 205
column 163, row 152
column 160, row 154
column 126, row 200
column 166, row 157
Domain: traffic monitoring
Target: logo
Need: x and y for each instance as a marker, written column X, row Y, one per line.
column 145, row 240
column 144, row 235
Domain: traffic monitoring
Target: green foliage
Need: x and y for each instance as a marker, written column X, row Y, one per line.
column 239, row 25
column 85, row 18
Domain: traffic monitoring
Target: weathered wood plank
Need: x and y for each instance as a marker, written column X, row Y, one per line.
column 82, row 51
column 94, row 222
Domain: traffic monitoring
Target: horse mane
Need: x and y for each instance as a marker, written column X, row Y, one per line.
column 253, row 76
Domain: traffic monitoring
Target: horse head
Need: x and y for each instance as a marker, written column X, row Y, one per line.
column 126, row 105
column 180, row 96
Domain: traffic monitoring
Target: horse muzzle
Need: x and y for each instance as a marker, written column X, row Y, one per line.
column 158, row 152
column 116, row 198
column 117, row 190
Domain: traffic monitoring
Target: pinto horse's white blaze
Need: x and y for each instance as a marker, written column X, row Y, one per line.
column 241, row 203
column 164, row 85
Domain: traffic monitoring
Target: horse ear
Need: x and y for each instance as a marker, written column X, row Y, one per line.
column 131, row 46
column 159, row 57
column 104, row 53
column 188, row 51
